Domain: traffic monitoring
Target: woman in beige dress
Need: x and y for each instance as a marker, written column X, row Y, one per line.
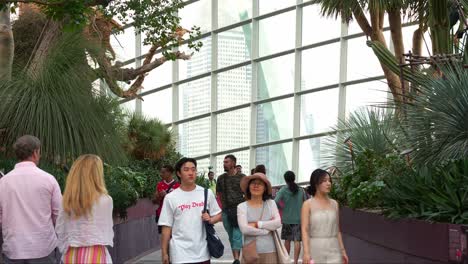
column 320, row 231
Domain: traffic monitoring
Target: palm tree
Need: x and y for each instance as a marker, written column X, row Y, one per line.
column 432, row 14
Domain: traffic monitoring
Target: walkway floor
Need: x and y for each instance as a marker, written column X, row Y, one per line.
column 155, row 257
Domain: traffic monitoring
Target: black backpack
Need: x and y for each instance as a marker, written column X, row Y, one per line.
column 215, row 245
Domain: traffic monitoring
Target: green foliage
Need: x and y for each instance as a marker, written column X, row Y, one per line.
column 157, row 20
column 125, row 186
column 366, row 195
column 437, row 193
column 202, row 181
column 436, row 119
column 148, row 137
column 60, row 107
column 368, row 129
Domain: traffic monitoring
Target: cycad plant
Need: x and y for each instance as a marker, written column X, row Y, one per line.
column 59, row 105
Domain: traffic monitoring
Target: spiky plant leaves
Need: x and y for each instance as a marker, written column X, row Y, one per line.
column 59, row 106
column 149, row 137
column 371, row 128
column 437, row 118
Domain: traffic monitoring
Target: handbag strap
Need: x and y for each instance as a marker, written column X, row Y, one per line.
column 206, row 198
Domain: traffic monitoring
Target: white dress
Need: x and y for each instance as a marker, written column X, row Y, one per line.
column 323, row 234
column 94, row 229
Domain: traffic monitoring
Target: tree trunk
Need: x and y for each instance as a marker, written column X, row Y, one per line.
column 52, row 32
column 394, row 19
column 7, row 46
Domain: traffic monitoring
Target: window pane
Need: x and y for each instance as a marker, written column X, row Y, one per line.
column 317, row 28
column 274, row 120
column 233, row 11
column 277, row 160
column 158, row 77
column 194, row 98
column 194, row 137
column 199, row 63
column 123, row 44
column 277, row 33
column 319, row 111
column 196, row 14
column 129, row 106
column 320, row 66
column 268, row 6
column 310, row 153
column 202, row 167
column 234, row 46
column 233, row 129
column 362, row 62
column 242, row 159
column 276, row 77
column 234, row 87
column 365, row 94
column 158, row 105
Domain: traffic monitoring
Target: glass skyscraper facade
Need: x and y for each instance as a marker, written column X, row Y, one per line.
column 270, row 82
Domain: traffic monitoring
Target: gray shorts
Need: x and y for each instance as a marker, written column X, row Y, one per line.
column 291, row 232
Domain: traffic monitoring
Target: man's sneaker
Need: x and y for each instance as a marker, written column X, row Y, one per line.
column 236, row 261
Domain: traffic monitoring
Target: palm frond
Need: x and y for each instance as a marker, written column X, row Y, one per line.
column 60, row 107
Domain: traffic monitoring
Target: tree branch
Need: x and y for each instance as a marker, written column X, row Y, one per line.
column 362, row 21
column 112, row 74
column 46, row 3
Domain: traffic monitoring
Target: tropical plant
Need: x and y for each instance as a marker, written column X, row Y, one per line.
column 439, row 16
column 125, row 186
column 60, row 107
column 148, row 138
column 156, row 20
column 436, row 193
column 436, row 120
column 367, row 129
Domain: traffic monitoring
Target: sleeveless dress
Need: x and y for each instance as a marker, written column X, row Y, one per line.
column 323, row 234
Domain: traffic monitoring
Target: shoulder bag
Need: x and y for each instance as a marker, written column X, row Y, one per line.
column 215, row 245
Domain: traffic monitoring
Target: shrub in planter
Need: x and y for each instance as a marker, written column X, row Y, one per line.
column 431, row 193
column 368, row 194
column 125, row 186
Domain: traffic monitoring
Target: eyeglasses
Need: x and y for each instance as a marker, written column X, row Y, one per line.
column 258, row 183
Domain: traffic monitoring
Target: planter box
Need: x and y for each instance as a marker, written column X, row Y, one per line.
column 372, row 238
column 137, row 234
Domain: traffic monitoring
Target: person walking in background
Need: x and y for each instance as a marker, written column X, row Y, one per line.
column 260, row 168
column 321, row 234
column 212, row 182
column 228, row 188
column 29, row 205
column 182, row 218
column 84, row 225
column 258, row 216
column 165, row 186
column 239, row 169
column 292, row 198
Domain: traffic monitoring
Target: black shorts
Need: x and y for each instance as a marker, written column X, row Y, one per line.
column 291, row 232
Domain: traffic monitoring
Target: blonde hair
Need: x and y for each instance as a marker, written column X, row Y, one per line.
column 85, row 184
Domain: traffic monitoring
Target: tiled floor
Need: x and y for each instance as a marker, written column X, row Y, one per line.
column 155, row 257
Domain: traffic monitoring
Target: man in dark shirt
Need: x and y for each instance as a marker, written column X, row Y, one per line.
column 228, row 188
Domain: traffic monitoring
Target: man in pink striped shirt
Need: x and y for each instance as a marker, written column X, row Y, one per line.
column 29, row 203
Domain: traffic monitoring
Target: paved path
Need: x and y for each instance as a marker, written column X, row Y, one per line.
column 155, row 256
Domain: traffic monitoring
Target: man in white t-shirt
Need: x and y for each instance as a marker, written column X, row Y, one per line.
column 181, row 216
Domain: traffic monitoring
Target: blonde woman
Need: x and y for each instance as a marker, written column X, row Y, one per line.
column 84, row 225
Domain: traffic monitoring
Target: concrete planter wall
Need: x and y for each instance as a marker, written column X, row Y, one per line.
column 372, row 238
column 135, row 235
